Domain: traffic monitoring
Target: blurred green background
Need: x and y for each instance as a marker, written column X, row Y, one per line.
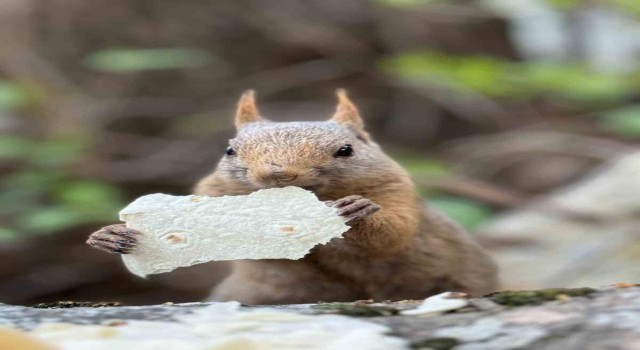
column 101, row 102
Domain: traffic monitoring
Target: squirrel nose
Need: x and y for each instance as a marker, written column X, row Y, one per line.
column 284, row 175
column 275, row 172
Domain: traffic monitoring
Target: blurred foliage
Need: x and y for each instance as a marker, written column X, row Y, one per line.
column 421, row 167
column 564, row 4
column 11, row 96
column 499, row 78
column 571, row 83
column 631, row 6
column 39, row 193
column 466, row 212
column 623, row 121
column 406, row 3
column 42, row 195
column 13, row 147
column 124, row 60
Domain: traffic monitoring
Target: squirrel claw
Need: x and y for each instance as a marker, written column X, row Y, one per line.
column 354, row 208
column 116, row 239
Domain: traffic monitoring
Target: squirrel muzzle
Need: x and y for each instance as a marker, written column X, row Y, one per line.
column 274, row 175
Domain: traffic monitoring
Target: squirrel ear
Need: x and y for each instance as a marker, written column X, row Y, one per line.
column 347, row 113
column 247, row 111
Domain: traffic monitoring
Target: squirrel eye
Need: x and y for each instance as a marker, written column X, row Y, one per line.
column 344, row 151
column 230, row 151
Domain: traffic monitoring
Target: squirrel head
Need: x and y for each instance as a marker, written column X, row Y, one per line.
column 319, row 156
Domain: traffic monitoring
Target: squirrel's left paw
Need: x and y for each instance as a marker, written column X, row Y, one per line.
column 354, row 208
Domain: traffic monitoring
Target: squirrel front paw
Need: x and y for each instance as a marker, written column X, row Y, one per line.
column 354, row 208
column 114, row 239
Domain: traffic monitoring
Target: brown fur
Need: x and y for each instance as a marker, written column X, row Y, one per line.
column 405, row 250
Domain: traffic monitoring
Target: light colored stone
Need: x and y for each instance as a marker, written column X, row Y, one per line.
column 278, row 223
column 606, row 319
column 511, row 338
column 626, row 319
column 480, row 330
column 224, row 326
column 533, row 316
column 438, row 304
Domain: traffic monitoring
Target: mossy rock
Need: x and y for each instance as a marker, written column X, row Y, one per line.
column 436, row 343
column 536, row 297
column 71, row 304
column 356, row 309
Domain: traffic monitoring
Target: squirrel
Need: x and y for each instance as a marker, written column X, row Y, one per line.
column 397, row 246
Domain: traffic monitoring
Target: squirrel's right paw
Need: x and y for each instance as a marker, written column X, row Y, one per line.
column 354, row 208
column 114, row 239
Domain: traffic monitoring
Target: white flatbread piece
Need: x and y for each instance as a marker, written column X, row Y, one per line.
column 277, row 223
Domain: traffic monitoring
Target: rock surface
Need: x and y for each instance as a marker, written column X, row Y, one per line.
column 607, row 318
